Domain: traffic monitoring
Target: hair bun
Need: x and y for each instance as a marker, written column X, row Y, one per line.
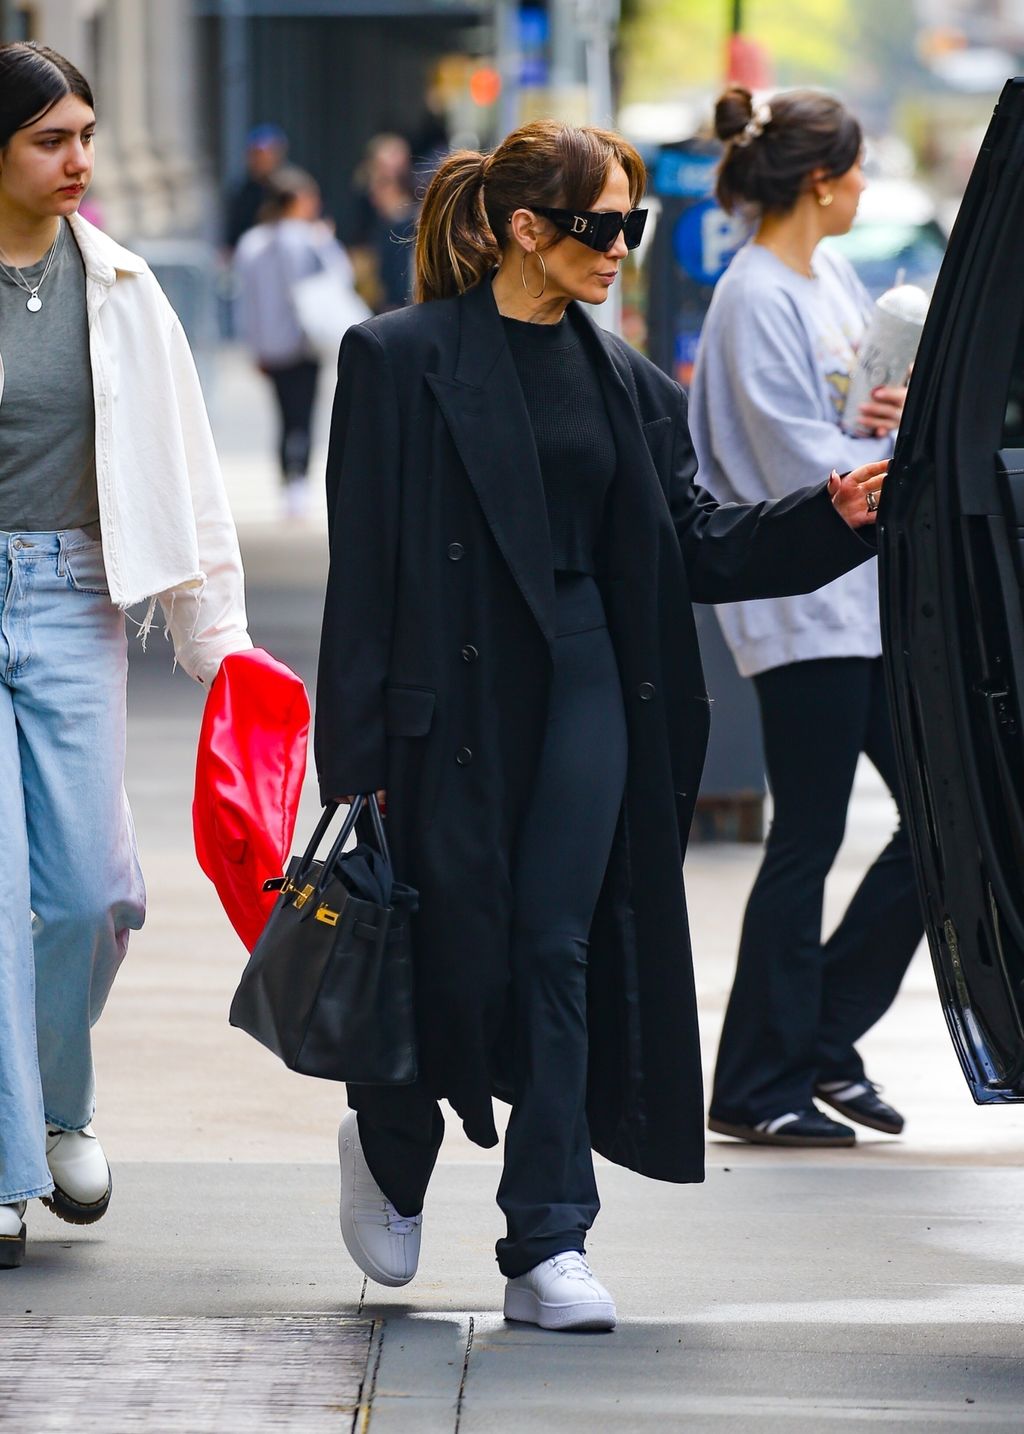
column 734, row 110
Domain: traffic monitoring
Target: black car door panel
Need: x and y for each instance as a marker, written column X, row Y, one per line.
column 951, row 544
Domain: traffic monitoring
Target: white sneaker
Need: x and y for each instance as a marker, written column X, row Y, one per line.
column 560, row 1293
column 296, row 498
column 12, row 1235
column 81, row 1175
column 384, row 1244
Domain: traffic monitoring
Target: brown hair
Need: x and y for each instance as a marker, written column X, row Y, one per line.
column 463, row 225
column 282, row 189
column 771, row 149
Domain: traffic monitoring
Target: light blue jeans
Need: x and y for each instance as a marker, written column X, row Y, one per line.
column 70, row 884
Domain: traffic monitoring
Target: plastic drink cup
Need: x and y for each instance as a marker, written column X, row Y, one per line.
column 887, row 349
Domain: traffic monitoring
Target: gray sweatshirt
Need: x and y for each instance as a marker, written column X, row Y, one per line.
column 772, row 371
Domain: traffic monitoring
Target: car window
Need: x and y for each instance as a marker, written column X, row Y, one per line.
column 884, row 253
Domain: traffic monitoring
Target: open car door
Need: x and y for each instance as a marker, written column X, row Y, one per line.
column 952, row 585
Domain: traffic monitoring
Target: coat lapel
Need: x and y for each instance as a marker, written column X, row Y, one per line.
column 486, row 415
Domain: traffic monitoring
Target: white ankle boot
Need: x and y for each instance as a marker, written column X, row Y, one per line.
column 81, row 1175
column 560, row 1293
column 384, row 1244
column 12, row 1235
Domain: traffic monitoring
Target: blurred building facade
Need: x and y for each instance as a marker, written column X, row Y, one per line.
column 330, row 73
column 141, row 59
column 179, row 83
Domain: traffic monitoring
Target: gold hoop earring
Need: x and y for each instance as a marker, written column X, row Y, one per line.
column 825, row 200
column 544, row 271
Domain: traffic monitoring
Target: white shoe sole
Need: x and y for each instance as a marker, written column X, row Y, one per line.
column 523, row 1305
column 349, row 1230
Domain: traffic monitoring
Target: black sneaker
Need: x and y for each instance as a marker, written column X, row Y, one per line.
column 859, row 1100
column 810, row 1127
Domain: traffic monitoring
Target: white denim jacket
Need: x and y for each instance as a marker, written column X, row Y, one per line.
column 167, row 531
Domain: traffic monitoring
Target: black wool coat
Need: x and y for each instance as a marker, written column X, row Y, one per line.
column 435, row 665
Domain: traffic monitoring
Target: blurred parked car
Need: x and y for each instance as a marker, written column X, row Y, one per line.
column 951, row 542
column 897, row 237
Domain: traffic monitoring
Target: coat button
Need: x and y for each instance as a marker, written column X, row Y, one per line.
column 456, row 551
column 469, row 653
column 463, row 756
column 645, row 691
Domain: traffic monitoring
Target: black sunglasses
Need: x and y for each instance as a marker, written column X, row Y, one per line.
column 598, row 231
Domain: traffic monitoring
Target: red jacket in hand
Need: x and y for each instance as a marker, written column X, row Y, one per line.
column 249, row 772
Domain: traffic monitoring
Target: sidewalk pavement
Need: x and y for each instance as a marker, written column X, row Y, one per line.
column 847, row 1290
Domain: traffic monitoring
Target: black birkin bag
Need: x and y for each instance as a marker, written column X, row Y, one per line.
column 329, row 985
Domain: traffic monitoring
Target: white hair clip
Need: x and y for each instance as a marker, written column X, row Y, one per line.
column 754, row 128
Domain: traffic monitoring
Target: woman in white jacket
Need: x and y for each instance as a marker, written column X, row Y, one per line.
column 773, row 368
column 110, row 495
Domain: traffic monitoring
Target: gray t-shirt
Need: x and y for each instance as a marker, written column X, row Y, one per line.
column 47, row 421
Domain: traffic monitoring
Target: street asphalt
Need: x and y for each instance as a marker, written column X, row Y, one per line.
column 851, row 1290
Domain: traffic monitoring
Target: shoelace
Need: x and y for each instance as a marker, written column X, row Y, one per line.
column 375, row 1211
column 572, row 1264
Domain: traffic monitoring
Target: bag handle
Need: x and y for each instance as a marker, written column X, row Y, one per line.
column 327, row 816
column 378, row 827
column 358, row 803
column 347, row 825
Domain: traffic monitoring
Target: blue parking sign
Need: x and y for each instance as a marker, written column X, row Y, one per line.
column 705, row 239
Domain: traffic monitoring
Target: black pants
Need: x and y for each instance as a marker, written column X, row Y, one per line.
column 797, row 1005
column 295, row 390
column 547, row 1191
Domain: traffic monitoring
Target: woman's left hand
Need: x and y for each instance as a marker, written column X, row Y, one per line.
column 855, row 497
column 882, row 413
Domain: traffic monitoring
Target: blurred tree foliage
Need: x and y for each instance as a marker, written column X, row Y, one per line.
column 858, row 47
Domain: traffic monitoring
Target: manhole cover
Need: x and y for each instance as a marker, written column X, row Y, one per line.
column 301, row 1373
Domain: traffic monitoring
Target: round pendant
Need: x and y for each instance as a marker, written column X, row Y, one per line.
column 34, row 304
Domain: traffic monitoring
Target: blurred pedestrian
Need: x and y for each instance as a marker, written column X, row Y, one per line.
column 265, row 152
column 385, row 222
column 290, row 244
column 509, row 655
column 110, row 495
column 773, row 367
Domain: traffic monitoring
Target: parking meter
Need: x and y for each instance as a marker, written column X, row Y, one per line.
column 693, row 244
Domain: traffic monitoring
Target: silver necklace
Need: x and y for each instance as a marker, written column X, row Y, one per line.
column 34, row 302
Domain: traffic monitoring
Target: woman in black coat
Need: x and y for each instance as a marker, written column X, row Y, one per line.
column 509, row 652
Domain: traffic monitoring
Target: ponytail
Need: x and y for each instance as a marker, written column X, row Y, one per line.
column 463, row 226
column 455, row 247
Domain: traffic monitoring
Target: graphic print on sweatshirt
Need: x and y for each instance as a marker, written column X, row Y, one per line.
column 835, row 352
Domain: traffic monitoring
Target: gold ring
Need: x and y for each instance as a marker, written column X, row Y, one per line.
column 872, row 501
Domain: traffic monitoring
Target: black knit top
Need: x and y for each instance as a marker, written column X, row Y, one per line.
column 574, row 438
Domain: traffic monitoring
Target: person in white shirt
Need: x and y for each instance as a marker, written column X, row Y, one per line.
column 110, row 496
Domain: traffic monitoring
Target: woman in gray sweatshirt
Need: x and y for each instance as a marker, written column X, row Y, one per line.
column 773, row 368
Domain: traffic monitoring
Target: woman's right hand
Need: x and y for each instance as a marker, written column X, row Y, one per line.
column 856, row 495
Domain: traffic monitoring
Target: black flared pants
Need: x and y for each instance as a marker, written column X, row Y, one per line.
column 798, row 1005
column 547, row 1192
